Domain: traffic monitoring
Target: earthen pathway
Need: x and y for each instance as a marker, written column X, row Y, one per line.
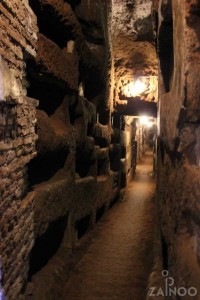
column 118, row 262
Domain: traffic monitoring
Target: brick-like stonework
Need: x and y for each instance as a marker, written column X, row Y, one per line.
column 17, row 143
column 62, row 173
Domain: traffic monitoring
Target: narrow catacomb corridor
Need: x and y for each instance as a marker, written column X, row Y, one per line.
column 86, row 211
column 118, row 263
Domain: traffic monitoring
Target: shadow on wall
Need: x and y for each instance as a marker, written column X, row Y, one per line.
column 166, row 45
column 44, row 167
column 82, row 226
column 2, row 295
column 47, row 245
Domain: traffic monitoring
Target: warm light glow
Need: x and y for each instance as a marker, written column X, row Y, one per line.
column 134, row 88
column 150, row 124
column 140, row 87
column 144, row 120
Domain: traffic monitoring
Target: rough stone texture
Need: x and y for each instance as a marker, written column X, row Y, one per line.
column 59, row 63
column 119, row 259
column 128, row 150
column 77, row 199
column 61, row 182
column 56, row 184
column 67, row 17
column 21, row 30
column 17, row 144
column 132, row 147
column 132, row 18
column 178, row 169
column 135, row 60
column 134, row 52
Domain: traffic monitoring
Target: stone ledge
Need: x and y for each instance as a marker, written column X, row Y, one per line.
column 58, row 63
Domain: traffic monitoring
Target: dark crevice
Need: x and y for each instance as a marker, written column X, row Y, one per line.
column 47, row 245
column 45, row 88
column 83, row 167
column 161, row 149
column 123, row 152
column 100, row 213
column 74, row 3
column 92, row 32
column 102, row 167
column 123, row 180
column 102, row 143
column 104, row 117
column 166, row 46
column 85, row 163
column 93, row 81
column 82, row 226
column 90, row 129
column 42, row 168
column 116, row 120
column 114, row 161
column 37, row 73
column 164, row 252
column 50, row 24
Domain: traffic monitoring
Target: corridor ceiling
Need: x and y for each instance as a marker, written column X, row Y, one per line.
column 134, row 51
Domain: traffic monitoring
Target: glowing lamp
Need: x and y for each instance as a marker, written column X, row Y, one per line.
column 144, row 120
column 150, row 124
column 139, row 87
column 134, row 88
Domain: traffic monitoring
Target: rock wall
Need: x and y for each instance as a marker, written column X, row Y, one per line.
column 134, row 53
column 178, row 147
column 60, row 155
column 130, row 144
column 18, row 41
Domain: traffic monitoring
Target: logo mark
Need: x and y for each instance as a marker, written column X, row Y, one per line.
column 170, row 289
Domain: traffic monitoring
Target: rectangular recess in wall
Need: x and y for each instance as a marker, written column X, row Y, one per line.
column 82, row 226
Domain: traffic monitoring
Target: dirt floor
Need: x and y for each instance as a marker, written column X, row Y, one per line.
column 119, row 261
